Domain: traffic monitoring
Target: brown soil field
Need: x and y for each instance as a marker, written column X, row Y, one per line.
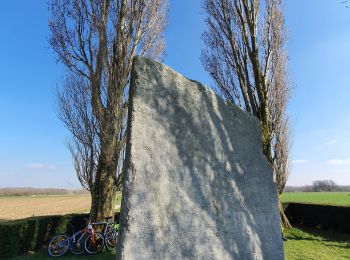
column 12, row 208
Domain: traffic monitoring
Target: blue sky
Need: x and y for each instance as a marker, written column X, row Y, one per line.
column 32, row 139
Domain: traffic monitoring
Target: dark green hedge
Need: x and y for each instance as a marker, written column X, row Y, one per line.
column 20, row 236
column 31, row 234
column 335, row 218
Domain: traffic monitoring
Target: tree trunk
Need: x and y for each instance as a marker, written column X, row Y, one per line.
column 104, row 191
column 284, row 220
column 266, row 140
column 103, row 200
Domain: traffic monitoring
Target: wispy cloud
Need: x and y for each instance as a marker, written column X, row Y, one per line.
column 40, row 166
column 331, row 142
column 338, row 161
column 300, row 161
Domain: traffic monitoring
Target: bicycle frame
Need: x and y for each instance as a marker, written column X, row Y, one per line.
column 72, row 239
column 81, row 233
column 77, row 235
column 107, row 226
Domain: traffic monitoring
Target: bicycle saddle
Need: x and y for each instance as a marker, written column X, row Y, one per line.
column 108, row 218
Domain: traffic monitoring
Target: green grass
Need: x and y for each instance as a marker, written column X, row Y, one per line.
column 324, row 198
column 316, row 244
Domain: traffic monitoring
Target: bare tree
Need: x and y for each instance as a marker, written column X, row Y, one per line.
column 74, row 110
column 245, row 55
column 281, row 163
column 281, row 148
column 279, row 94
column 96, row 40
column 346, row 3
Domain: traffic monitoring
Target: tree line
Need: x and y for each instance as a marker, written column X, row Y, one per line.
column 8, row 192
column 319, row 186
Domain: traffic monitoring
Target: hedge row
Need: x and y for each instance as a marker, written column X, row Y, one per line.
column 319, row 216
column 31, row 234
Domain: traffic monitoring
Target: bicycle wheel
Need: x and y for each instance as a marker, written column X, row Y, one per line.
column 111, row 239
column 78, row 248
column 58, row 245
column 94, row 243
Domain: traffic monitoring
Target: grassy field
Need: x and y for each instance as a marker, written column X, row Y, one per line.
column 12, row 208
column 302, row 244
column 314, row 244
column 324, row 198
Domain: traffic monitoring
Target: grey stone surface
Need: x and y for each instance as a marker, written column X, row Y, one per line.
column 197, row 185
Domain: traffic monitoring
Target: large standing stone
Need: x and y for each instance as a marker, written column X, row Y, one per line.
column 197, row 185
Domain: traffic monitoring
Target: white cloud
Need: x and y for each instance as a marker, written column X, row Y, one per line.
column 331, row 141
column 300, row 161
column 338, row 161
column 40, row 166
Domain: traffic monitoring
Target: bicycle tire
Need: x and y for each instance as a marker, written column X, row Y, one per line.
column 58, row 245
column 94, row 243
column 78, row 247
column 111, row 239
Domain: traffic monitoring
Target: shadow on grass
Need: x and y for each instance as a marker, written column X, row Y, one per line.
column 339, row 246
column 328, row 237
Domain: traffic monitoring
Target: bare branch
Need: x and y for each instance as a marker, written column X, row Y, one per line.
column 97, row 41
column 245, row 55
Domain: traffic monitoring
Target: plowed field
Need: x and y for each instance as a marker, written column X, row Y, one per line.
column 23, row 207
